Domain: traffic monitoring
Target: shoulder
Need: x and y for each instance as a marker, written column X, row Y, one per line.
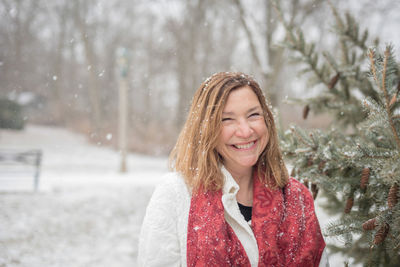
column 172, row 182
column 297, row 189
column 167, row 198
column 171, row 188
column 294, row 184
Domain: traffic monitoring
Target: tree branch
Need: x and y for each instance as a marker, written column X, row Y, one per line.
column 371, row 55
column 389, row 112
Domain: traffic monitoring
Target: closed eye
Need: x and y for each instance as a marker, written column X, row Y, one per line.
column 226, row 119
column 254, row 114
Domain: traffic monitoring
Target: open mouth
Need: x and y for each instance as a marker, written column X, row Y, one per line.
column 245, row 146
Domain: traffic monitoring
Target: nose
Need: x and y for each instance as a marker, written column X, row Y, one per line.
column 244, row 129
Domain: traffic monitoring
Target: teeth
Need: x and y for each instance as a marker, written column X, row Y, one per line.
column 244, row 146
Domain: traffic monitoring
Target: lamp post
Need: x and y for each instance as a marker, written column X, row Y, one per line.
column 123, row 64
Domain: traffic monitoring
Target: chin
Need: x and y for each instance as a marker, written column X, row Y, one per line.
column 248, row 164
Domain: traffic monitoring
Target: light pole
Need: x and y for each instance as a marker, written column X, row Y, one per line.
column 123, row 64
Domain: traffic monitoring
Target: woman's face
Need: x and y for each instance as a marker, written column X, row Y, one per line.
column 244, row 134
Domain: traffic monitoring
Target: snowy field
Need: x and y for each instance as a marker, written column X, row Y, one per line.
column 85, row 213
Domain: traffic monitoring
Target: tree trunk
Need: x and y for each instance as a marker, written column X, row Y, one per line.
column 90, row 57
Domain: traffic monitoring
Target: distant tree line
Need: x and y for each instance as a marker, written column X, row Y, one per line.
column 62, row 56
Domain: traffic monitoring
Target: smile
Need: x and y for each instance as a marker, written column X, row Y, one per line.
column 245, row 146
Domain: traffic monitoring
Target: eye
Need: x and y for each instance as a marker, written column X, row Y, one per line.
column 226, row 119
column 254, row 114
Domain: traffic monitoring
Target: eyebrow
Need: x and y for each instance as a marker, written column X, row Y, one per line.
column 248, row 111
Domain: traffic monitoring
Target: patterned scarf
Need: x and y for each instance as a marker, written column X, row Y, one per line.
column 283, row 222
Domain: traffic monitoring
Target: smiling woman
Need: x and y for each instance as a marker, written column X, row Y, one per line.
column 229, row 201
column 242, row 139
column 196, row 156
column 244, row 133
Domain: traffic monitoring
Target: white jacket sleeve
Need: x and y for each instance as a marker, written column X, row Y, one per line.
column 159, row 241
column 324, row 262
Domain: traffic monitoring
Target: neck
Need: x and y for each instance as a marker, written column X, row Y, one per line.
column 244, row 178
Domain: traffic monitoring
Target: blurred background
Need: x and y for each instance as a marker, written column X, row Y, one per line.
column 61, row 60
column 70, row 69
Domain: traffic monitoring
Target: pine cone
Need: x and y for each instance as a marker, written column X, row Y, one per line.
column 392, row 197
column 333, row 81
column 314, row 190
column 306, row 110
column 369, row 225
column 306, row 183
column 349, row 205
column 364, row 178
column 381, row 234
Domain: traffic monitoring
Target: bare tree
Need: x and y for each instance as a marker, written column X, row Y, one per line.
column 186, row 35
column 19, row 42
column 274, row 58
column 87, row 33
column 62, row 13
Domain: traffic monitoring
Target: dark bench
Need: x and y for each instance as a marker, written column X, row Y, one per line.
column 12, row 159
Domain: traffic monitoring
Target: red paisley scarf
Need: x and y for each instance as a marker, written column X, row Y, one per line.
column 283, row 222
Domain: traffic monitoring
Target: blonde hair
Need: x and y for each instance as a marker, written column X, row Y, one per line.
column 194, row 155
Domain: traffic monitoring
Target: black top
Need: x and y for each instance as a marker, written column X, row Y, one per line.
column 246, row 211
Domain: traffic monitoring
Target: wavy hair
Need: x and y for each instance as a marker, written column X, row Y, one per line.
column 195, row 156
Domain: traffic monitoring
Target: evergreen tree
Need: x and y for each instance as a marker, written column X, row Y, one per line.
column 356, row 163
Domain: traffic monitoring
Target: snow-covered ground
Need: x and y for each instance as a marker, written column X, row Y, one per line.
column 86, row 213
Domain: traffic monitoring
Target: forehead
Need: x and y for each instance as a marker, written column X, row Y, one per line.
column 243, row 97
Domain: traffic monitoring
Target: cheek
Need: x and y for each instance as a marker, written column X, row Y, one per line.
column 225, row 135
column 223, row 140
column 263, row 131
column 266, row 140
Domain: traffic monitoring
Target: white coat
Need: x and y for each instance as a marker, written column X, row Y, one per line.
column 163, row 235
